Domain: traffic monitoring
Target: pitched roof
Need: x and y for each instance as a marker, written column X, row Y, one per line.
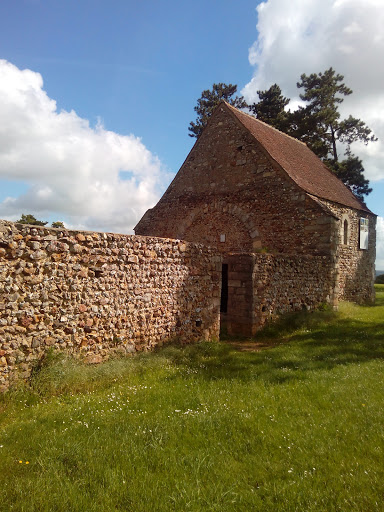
column 299, row 162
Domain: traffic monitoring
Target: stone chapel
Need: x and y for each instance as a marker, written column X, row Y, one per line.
column 291, row 235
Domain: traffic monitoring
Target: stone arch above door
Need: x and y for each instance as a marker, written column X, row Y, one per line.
column 223, row 228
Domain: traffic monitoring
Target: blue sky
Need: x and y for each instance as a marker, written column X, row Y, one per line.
column 139, row 66
column 95, row 129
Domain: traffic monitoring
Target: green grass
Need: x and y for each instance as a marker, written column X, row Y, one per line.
column 298, row 426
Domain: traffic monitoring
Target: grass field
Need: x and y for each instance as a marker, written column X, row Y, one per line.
column 295, row 427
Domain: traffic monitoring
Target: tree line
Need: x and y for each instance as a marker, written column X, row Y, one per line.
column 31, row 220
column 318, row 122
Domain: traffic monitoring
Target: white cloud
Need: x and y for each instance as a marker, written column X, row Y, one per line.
column 305, row 36
column 309, row 36
column 72, row 169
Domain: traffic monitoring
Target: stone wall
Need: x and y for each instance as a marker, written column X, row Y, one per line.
column 355, row 267
column 264, row 286
column 95, row 294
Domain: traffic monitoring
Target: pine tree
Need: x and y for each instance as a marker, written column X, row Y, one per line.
column 319, row 125
column 207, row 103
column 270, row 108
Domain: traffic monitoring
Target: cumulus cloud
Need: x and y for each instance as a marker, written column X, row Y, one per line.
column 309, row 36
column 92, row 177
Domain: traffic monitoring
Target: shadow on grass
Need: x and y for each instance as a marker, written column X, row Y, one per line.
column 300, row 344
column 290, row 349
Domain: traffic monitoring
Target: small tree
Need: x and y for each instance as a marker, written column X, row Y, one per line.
column 58, row 224
column 207, row 103
column 31, row 219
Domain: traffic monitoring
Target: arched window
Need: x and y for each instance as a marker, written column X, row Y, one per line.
column 345, row 238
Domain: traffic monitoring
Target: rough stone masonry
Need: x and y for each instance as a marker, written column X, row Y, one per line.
column 98, row 294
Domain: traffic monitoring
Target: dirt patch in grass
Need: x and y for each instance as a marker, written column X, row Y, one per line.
column 251, row 345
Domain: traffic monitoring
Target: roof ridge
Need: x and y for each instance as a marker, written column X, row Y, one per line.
column 264, row 123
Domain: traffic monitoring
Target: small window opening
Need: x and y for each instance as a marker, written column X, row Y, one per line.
column 222, row 238
column 363, row 233
column 345, row 237
column 198, row 323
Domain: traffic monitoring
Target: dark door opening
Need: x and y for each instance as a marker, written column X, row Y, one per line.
column 224, row 288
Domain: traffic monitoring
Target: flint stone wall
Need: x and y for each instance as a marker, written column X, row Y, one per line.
column 263, row 286
column 96, row 294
